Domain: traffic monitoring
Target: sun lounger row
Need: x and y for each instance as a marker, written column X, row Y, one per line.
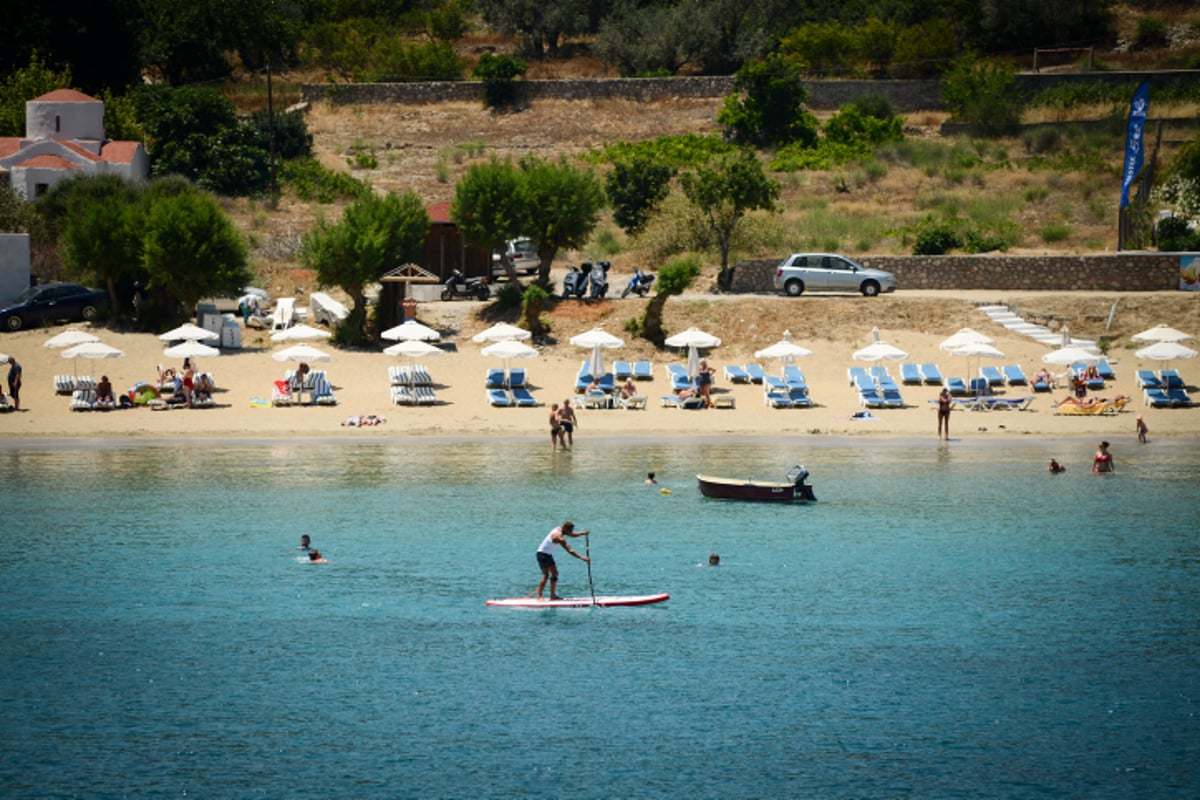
column 786, row 398
column 415, row 375
column 518, row 396
column 499, row 379
column 750, row 373
column 638, row 370
column 916, row 374
column 413, row 396
column 290, row 391
column 1167, row 379
column 876, row 388
column 1166, row 398
column 67, row 384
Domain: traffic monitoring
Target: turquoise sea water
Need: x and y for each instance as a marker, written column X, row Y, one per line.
column 944, row 622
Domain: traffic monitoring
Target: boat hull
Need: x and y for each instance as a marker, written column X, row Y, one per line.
column 755, row 491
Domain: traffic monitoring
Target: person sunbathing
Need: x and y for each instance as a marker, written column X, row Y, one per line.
column 104, row 392
column 1082, row 402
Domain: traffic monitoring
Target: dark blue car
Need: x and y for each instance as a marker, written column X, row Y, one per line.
column 52, row 302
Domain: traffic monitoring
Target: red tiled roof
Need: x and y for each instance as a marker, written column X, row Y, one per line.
column 88, row 154
column 439, row 212
column 9, row 145
column 53, row 162
column 65, row 96
column 118, row 152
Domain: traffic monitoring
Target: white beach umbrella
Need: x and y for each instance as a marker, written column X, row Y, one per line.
column 965, row 336
column 91, row 350
column 301, row 353
column 508, row 349
column 597, row 339
column 191, row 349
column 413, row 349
column 410, row 331
column 300, row 333
column 785, row 350
column 1066, row 356
column 500, row 332
column 879, row 351
column 976, row 350
column 4, row 358
column 1166, row 351
column 70, row 338
column 1161, row 333
column 189, row 332
column 693, row 339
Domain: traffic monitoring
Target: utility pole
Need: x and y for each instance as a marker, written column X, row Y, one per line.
column 271, row 132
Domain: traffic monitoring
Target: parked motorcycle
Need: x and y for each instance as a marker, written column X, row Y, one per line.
column 576, row 281
column 639, row 284
column 458, row 285
column 599, row 279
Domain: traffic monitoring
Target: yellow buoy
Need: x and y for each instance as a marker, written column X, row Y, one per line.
column 665, row 491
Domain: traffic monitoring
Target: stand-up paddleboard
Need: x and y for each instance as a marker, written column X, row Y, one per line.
column 604, row 601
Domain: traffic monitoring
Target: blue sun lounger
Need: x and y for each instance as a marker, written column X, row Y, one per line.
column 992, row 375
column 910, row 373
column 1014, row 375
column 642, row 371
column 498, row 397
column 622, row 370
column 957, row 386
column 736, row 374
column 522, row 397
column 931, row 374
column 755, row 371
column 495, row 379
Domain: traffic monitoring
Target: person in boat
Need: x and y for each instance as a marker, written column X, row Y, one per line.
column 1054, row 467
column 545, row 556
column 1103, row 461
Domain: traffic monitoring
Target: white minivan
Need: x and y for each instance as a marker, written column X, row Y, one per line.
column 522, row 253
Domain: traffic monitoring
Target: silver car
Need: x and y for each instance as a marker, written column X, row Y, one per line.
column 826, row 272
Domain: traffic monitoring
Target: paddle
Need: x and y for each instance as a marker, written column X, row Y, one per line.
column 587, row 546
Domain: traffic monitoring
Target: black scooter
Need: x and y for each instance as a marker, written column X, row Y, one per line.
column 599, row 279
column 459, row 286
column 639, row 284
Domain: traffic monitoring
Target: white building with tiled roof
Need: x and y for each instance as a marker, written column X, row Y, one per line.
column 64, row 135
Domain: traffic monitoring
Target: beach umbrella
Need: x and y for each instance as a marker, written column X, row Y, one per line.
column 3, row 358
column 1066, row 356
column 299, row 333
column 1161, row 333
column 965, row 336
column 508, row 349
column 1166, row 351
column 301, row 353
column 413, row 349
column 879, row 351
column 91, row 350
column 189, row 332
column 410, row 331
column 693, row 339
column 597, row 339
column 500, row 332
column 784, row 350
column 191, row 349
column 976, row 350
column 70, row 338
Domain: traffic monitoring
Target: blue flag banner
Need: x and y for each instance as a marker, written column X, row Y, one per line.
column 1134, row 149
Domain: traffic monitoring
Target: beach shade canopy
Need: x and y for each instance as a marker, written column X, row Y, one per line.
column 300, row 333
column 190, row 348
column 965, row 336
column 301, row 353
column 1166, row 351
column 694, row 340
column 411, row 331
column 91, row 350
column 977, row 350
column 189, row 332
column 508, row 349
column 597, row 339
column 785, row 350
column 413, row 349
column 1066, row 356
column 70, row 338
column 879, row 351
column 500, row 332
column 1161, row 333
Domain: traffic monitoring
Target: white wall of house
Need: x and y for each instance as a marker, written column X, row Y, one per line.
column 14, row 265
column 64, row 120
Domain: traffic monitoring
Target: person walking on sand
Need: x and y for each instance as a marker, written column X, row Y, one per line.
column 1142, row 430
column 944, row 404
column 545, row 557
column 14, row 382
column 566, row 418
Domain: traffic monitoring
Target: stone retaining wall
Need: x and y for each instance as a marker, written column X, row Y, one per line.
column 1113, row 272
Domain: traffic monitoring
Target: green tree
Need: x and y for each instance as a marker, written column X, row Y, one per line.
column 99, row 232
column 190, row 249
column 540, row 27
column 562, row 206
column 724, row 191
column 672, row 279
column 25, row 84
column 983, row 94
column 376, row 233
column 499, row 74
column 768, row 107
column 488, row 209
column 634, row 187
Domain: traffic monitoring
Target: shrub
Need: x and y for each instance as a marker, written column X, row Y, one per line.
column 1174, row 234
column 311, row 181
column 292, row 139
column 983, row 94
column 1151, row 33
column 1055, row 232
column 510, row 295
column 935, row 238
column 499, row 74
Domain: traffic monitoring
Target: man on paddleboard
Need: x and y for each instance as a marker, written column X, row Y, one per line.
column 546, row 561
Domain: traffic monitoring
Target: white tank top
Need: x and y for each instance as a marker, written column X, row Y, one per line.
column 548, row 544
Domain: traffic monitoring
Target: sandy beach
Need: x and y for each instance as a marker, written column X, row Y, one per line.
column 745, row 324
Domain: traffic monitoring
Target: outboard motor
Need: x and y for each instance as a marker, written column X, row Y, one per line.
column 798, row 475
column 599, row 275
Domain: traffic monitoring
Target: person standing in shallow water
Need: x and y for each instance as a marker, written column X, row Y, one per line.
column 944, row 404
column 1103, row 462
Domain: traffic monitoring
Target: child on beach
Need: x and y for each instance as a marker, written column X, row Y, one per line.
column 1142, row 430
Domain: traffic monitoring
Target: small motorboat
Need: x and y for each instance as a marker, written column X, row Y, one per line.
column 794, row 490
